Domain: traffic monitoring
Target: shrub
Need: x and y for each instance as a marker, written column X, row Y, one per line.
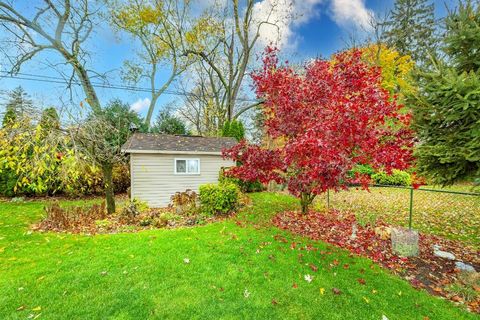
column 121, row 178
column 363, row 169
column 217, row 199
column 185, row 203
column 245, row 186
column 132, row 210
column 72, row 218
column 166, row 218
column 396, row 178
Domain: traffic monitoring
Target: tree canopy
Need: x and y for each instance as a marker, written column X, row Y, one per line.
column 331, row 116
column 447, row 108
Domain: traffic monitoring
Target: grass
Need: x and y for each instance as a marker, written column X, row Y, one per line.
column 144, row 276
column 453, row 216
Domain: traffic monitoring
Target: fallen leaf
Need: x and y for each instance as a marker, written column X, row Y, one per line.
column 295, row 286
column 313, row 267
column 336, row 291
column 361, row 281
column 308, row 278
column 274, row 302
column 366, row 299
column 322, row 291
column 37, row 308
column 21, row 308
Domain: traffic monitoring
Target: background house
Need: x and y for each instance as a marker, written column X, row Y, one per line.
column 162, row 164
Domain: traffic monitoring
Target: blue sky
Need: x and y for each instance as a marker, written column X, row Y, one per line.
column 323, row 27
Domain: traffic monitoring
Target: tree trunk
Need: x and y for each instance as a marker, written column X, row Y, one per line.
column 108, row 185
column 306, row 200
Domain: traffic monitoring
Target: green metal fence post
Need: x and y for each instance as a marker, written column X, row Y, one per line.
column 328, row 198
column 411, row 209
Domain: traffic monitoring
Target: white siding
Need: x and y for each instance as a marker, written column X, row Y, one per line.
column 153, row 179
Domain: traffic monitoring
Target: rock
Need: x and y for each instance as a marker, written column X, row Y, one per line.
column 444, row 254
column 464, row 267
column 383, row 232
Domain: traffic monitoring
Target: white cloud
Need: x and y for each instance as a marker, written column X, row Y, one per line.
column 351, row 13
column 282, row 17
column 140, row 104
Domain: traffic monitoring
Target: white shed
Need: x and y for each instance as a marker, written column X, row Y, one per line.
column 162, row 164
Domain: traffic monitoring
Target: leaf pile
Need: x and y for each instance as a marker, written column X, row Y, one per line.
column 426, row 271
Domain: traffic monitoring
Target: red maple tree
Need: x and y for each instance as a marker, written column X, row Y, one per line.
column 330, row 116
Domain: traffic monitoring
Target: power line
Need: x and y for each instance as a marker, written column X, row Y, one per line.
column 58, row 80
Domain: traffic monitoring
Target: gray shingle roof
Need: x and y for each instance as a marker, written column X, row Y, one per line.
column 150, row 142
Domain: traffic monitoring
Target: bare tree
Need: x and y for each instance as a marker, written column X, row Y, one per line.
column 229, row 52
column 159, row 27
column 61, row 26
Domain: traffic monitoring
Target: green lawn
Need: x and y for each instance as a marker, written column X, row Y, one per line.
column 143, row 275
column 452, row 216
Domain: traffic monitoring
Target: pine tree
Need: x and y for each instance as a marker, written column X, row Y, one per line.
column 233, row 129
column 447, row 110
column 50, row 119
column 168, row 123
column 410, row 29
column 19, row 101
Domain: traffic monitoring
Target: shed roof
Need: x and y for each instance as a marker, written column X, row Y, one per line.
column 168, row 143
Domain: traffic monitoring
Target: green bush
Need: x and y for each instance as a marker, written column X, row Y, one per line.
column 362, row 169
column 245, row 186
column 396, row 178
column 217, row 199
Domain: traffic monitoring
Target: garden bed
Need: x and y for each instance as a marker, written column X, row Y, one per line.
column 439, row 276
column 95, row 220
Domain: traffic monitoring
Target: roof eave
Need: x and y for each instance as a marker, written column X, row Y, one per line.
column 217, row 153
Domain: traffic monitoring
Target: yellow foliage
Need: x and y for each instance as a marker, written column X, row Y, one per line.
column 42, row 162
column 396, row 69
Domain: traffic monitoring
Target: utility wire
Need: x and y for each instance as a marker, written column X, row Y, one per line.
column 58, row 80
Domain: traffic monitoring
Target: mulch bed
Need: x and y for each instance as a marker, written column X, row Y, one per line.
column 426, row 271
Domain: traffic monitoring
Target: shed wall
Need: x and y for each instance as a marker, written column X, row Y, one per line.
column 153, row 179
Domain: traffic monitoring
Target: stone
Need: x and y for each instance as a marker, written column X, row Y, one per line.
column 464, row 266
column 444, row 254
column 383, row 232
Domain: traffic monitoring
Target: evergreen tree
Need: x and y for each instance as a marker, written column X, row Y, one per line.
column 50, row 119
column 9, row 118
column 17, row 106
column 447, row 109
column 168, row 123
column 410, row 29
column 233, row 129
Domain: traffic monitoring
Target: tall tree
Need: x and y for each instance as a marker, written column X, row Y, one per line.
column 410, row 29
column 101, row 137
column 447, row 107
column 330, row 116
column 61, row 26
column 227, row 53
column 18, row 105
column 160, row 27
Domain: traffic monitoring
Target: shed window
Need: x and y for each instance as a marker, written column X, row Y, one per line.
column 187, row 166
